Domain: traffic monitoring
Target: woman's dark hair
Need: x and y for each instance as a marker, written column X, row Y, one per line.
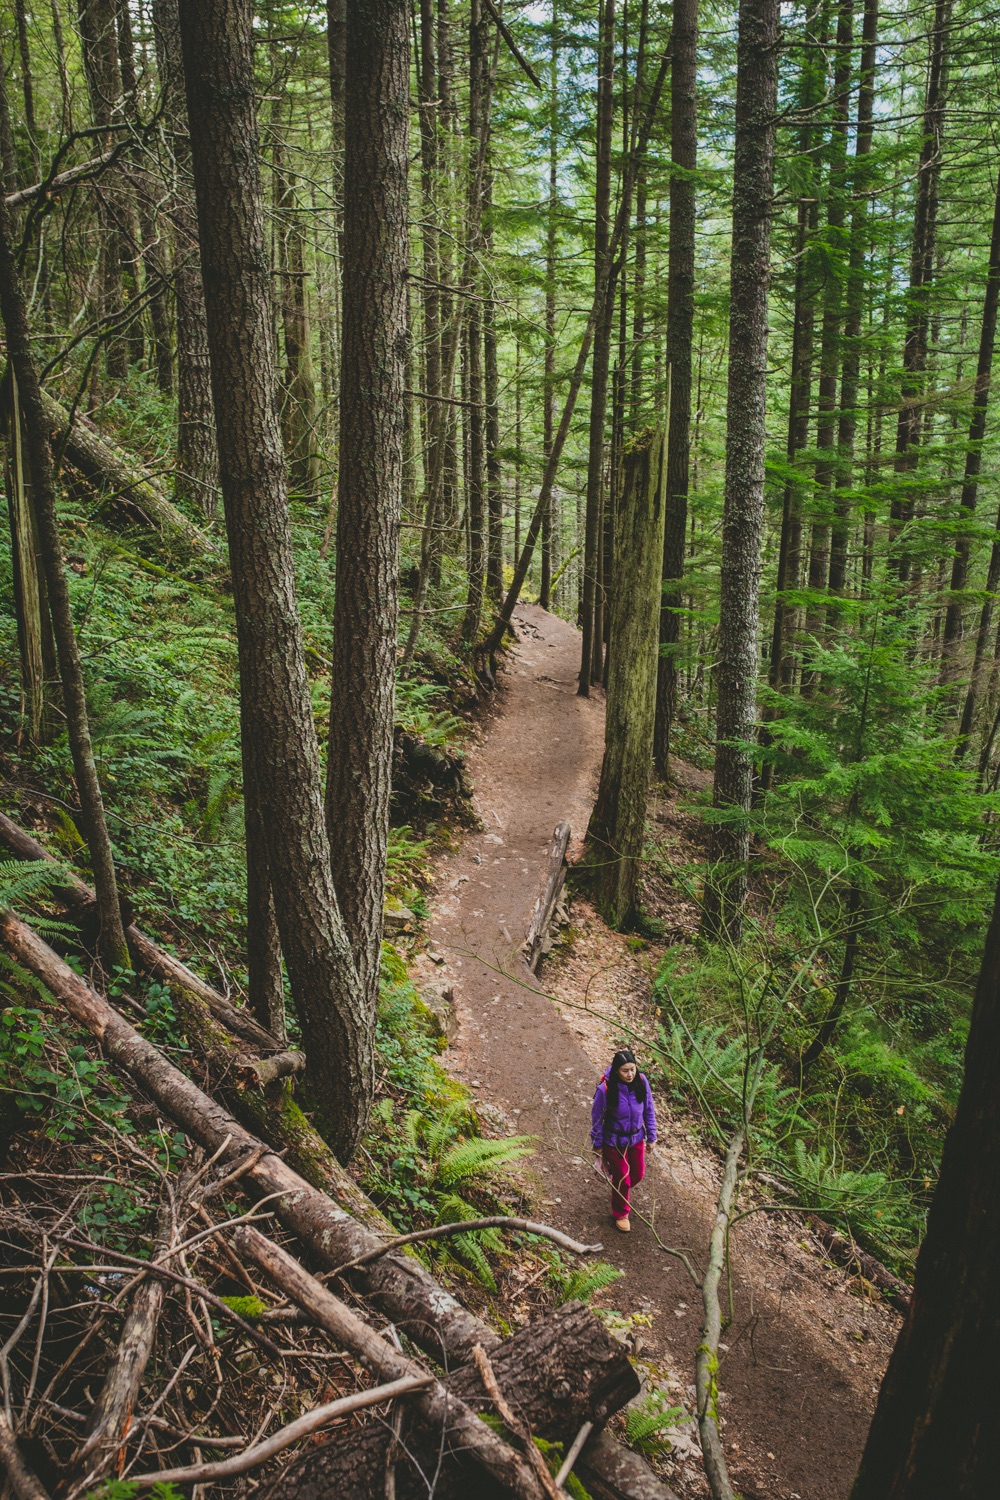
column 638, row 1083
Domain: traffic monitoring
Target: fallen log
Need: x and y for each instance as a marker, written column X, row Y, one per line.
column 480, row 1446
column 111, row 1414
column 129, row 490
column 559, row 1372
column 396, row 1283
column 147, row 956
column 844, row 1252
column 545, row 906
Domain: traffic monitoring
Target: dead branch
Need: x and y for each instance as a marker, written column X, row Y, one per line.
column 398, row 1284
column 467, row 1226
column 111, row 1416
column 132, row 493
column 545, row 906
column 22, row 1480
column 157, row 1268
column 147, row 956
column 707, row 1359
column 52, row 185
column 230, row 1468
column 436, row 1405
column 513, row 1423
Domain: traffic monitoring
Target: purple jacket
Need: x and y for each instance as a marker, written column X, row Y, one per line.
column 631, row 1119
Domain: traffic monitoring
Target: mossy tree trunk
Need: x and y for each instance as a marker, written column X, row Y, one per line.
column 746, row 436
column 615, row 835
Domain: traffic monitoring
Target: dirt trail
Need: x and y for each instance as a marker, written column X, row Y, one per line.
column 804, row 1358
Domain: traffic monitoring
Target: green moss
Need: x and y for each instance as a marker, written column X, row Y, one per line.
column 250, row 1309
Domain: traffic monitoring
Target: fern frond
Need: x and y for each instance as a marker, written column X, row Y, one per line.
column 481, row 1158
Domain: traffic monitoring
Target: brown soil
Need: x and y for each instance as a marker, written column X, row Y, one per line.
column 804, row 1354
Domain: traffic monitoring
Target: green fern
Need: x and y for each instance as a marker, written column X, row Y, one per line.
column 584, row 1283
column 645, row 1425
column 479, row 1158
column 24, row 883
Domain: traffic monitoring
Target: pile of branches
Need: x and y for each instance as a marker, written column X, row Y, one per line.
column 181, row 1306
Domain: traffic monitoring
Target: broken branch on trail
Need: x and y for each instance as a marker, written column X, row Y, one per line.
column 397, row 1284
column 537, row 943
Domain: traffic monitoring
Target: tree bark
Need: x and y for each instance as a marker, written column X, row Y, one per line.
column 368, row 514
column 950, row 650
column 197, row 478
column 150, row 250
column 473, row 414
column 111, row 938
column 275, row 701
column 591, row 645
column 99, row 38
column 398, row 1284
column 854, row 293
column 617, row 825
column 484, row 1451
column 911, row 409
column 551, row 246
column 502, row 622
column 934, row 1428
column 680, row 332
column 298, row 412
column 557, row 1373
column 743, row 514
column 828, row 546
column 36, row 647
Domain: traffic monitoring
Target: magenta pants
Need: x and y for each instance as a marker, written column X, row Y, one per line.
column 625, row 1168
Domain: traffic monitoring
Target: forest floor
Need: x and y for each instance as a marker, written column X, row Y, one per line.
column 807, row 1347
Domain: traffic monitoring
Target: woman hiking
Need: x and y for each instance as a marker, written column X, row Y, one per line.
column 622, row 1122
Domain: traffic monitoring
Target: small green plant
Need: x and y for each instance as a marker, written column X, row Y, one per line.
column 584, row 1282
column 646, row 1425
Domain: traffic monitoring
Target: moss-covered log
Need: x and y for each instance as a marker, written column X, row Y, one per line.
column 127, row 489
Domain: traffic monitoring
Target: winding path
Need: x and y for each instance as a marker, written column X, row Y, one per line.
column 803, row 1358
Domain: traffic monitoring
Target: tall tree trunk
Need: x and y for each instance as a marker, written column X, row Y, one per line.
column 743, row 514
column 591, row 645
column 197, row 477
column 911, row 408
column 36, row 647
column 368, row 512
column 65, row 94
column 491, row 393
column 617, row 825
column 854, row 294
column 473, row 414
column 27, row 87
column 111, row 937
column 680, row 333
column 551, row 247
column 298, row 413
column 950, row 657
column 934, row 1429
column 99, row 37
column 275, row 702
column 820, row 556
column 150, row 249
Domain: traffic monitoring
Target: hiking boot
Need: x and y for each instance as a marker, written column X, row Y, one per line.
column 623, row 1225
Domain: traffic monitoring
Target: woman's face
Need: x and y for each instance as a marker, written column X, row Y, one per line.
column 627, row 1072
